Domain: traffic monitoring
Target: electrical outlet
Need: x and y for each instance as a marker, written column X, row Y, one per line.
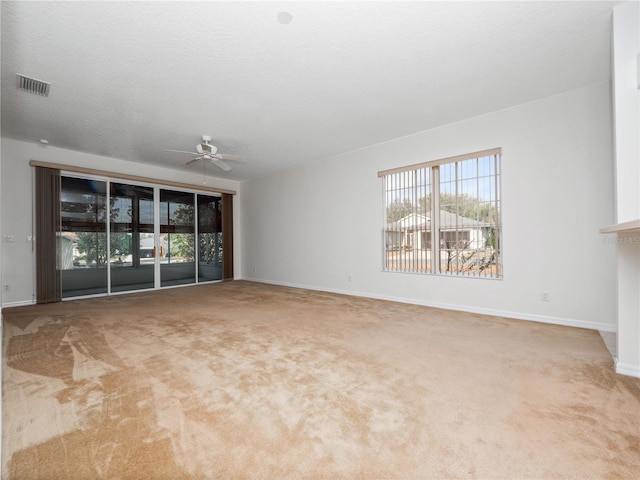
column 544, row 297
column 6, row 287
column 7, row 238
column 348, row 278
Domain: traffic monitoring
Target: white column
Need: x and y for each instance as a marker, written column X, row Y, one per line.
column 626, row 52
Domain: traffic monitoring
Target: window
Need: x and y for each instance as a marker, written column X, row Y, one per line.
column 443, row 217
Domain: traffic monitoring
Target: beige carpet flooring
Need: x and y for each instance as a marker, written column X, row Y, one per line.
column 245, row 380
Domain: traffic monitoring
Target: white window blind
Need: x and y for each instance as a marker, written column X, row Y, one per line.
column 443, row 217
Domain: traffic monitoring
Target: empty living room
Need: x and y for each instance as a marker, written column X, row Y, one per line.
column 368, row 239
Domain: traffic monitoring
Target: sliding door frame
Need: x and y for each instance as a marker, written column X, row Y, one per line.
column 226, row 197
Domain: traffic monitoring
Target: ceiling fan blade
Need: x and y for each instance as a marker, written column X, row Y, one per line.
column 182, row 151
column 192, row 161
column 233, row 158
column 220, row 163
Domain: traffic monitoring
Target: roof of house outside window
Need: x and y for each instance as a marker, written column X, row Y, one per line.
column 448, row 221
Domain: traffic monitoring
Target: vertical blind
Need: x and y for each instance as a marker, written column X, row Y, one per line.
column 227, row 235
column 47, row 226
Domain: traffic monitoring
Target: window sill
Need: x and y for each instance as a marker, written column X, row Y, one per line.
column 626, row 227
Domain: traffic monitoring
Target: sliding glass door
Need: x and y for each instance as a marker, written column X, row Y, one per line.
column 209, row 238
column 132, row 237
column 82, row 238
column 117, row 237
column 177, row 237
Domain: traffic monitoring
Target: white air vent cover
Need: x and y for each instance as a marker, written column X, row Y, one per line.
column 32, row 85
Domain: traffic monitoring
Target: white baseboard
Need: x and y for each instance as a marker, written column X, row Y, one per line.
column 18, row 304
column 627, row 369
column 568, row 322
column 602, row 327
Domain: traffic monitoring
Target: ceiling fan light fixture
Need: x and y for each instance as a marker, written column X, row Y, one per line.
column 209, row 152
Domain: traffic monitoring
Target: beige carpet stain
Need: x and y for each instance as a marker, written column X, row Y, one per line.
column 244, row 380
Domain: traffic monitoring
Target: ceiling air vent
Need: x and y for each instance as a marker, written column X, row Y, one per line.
column 31, row 85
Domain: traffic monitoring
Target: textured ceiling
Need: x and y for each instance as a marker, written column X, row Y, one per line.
column 132, row 79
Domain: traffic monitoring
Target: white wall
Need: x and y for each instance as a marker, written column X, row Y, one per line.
column 18, row 259
column 626, row 49
column 316, row 226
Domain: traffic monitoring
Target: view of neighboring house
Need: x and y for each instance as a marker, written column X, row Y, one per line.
column 68, row 249
column 414, row 232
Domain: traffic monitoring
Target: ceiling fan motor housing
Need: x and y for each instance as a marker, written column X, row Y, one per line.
column 206, row 151
column 207, row 148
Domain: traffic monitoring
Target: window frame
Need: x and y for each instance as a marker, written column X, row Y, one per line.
column 418, row 190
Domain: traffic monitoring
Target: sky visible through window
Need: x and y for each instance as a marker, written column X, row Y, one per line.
column 476, row 179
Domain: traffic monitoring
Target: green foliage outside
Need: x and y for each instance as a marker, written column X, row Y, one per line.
column 93, row 246
column 399, row 209
column 467, row 206
column 181, row 245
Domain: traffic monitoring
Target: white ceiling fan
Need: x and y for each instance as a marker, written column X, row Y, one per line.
column 206, row 151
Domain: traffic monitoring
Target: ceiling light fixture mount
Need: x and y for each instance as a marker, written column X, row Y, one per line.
column 285, row 18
